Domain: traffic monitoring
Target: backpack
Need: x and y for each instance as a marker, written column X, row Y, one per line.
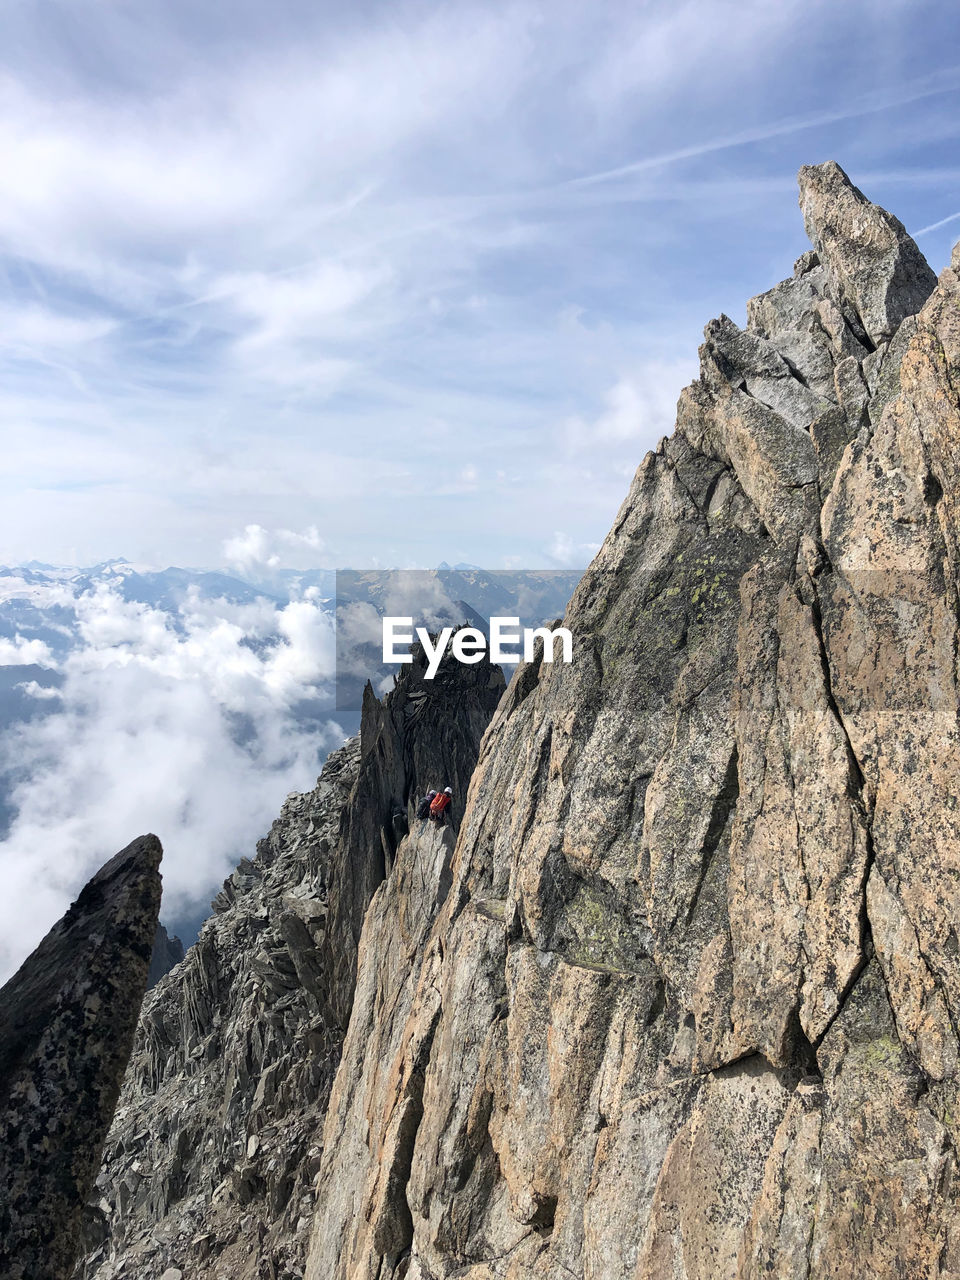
column 438, row 805
column 423, row 808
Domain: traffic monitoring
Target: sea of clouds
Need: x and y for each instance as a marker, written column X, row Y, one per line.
column 192, row 721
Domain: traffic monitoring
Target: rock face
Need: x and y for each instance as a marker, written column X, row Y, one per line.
column 210, row 1153
column 67, row 1020
column 689, row 1005
column 676, row 996
column 167, row 954
column 428, row 736
column 208, row 1169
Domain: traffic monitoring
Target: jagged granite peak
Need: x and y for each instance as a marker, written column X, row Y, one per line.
column 167, row 954
column 875, row 269
column 689, row 1006
column 208, row 1169
column 216, row 1135
column 67, row 1021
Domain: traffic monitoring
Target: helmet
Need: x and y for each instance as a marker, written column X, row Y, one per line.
column 447, row 791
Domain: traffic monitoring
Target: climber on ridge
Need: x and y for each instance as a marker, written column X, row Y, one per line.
column 423, row 808
column 440, row 804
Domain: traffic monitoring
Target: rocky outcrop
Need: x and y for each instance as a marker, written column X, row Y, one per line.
column 209, row 1159
column 67, row 1020
column 208, row 1169
column 677, row 994
column 429, row 736
column 875, row 272
column 689, row 1005
column 366, row 1212
column 167, row 954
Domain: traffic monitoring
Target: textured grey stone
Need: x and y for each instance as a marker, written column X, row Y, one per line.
column 167, row 954
column 210, row 1162
column 427, row 737
column 677, row 995
column 874, row 268
column 67, row 1020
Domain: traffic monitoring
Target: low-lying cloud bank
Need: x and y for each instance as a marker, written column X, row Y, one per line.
column 193, row 723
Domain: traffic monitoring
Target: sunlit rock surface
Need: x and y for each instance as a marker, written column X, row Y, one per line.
column 689, row 1007
column 209, row 1166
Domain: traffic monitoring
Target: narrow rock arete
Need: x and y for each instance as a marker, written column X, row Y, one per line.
column 67, row 1021
column 678, row 994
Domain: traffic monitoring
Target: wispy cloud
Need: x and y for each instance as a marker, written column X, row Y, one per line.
column 942, row 82
column 304, row 271
column 190, row 724
column 639, row 407
column 935, row 226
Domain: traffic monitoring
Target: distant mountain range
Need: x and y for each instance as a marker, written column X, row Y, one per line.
column 38, row 608
column 234, row 672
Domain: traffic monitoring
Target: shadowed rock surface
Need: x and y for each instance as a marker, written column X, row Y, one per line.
column 167, row 954
column 428, row 736
column 67, row 1020
column 689, row 1007
column 209, row 1166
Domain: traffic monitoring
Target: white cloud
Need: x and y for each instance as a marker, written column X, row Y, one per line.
column 311, row 303
column 250, row 550
column 308, row 537
column 637, row 410
column 566, row 553
column 185, row 726
column 42, row 692
column 258, row 551
column 113, row 630
column 309, row 653
column 283, row 136
column 47, row 329
column 20, row 652
column 358, row 624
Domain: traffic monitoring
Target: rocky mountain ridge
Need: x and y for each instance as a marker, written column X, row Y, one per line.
column 67, row 1020
column 688, row 1009
column 167, row 954
column 208, row 1167
column 679, row 997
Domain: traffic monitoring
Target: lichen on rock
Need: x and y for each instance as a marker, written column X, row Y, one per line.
column 710, row 1029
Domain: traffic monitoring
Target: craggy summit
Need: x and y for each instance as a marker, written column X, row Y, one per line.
column 690, row 1007
column 680, row 997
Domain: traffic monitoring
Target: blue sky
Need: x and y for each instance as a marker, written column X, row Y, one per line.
column 407, row 282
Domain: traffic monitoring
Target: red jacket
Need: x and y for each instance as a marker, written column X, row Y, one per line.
column 439, row 805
